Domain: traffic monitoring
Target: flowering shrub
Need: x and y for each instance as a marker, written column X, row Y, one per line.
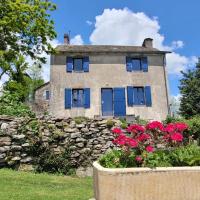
column 150, row 138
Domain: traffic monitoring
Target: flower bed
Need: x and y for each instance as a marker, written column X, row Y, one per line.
column 155, row 161
column 152, row 145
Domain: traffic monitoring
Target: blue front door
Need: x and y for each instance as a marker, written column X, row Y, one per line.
column 107, row 101
column 119, row 102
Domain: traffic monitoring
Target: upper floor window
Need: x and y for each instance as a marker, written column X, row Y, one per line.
column 137, row 64
column 77, row 64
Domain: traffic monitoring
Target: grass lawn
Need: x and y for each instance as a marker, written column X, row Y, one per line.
column 29, row 186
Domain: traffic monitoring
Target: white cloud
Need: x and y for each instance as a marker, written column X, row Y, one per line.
column 76, row 40
column 177, row 44
column 177, row 63
column 89, row 22
column 125, row 27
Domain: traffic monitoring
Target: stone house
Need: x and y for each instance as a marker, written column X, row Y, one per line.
column 107, row 80
column 41, row 98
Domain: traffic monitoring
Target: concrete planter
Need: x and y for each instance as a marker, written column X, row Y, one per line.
column 171, row 183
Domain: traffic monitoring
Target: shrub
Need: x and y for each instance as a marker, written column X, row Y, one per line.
column 110, row 123
column 50, row 162
column 186, row 156
column 159, row 158
column 153, row 145
column 11, row 105
column 118, row 159
column 79, row 120
column 180, row 156
column 194, row 127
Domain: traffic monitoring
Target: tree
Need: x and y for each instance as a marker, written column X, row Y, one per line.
column 23, row 80
column 35, row 73
column 190, row 92
column 25, row 29
column 19, row 80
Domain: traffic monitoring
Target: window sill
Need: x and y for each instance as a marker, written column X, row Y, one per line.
column 138, row 105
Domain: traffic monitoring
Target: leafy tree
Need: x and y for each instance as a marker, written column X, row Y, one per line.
column 19, row 80
column 25, row 29
column 23, row 79
column 190, row 91
column 35, row 73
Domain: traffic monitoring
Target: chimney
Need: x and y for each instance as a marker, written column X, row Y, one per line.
column 66, row 39
column 148, row 43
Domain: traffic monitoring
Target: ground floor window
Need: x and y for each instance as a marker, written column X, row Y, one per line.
column 77, row 98
column 138, row 96
column 47, row 94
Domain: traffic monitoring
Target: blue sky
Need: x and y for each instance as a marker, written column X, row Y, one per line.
column 174, row 24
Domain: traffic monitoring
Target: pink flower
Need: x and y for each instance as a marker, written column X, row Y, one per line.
column 170, row 128
column 135, row 128
column 181, row 126
column 117, row 131
column 155, row 125
column 132, row 143
column 166, row 137
column 143, row 136
column 149, row 149
column 176, row 137
column 138, row 158
column 121, row 140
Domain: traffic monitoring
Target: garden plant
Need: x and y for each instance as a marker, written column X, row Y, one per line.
column 153, row 145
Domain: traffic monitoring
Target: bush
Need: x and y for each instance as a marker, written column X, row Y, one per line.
column 186, row 156
column 169, row 119
column 79, row 120
column 194, row 127
column 149, row 146
column 110, row 123
column 50, row 162
column 180, row 156
column 118, row 159
column 11, row 105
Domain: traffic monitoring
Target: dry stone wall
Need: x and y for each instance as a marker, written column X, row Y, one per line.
column 86, row 139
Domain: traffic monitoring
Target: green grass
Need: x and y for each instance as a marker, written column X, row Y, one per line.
column 29, row 186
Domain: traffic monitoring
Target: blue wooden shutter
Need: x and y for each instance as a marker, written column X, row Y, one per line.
column 144, row 64
column 148, row 96
column 69, row 64
column 119, row 102
column 86, row 64
column 68, row 98
column 87, row 97
column 128, row 64
column 130, row 95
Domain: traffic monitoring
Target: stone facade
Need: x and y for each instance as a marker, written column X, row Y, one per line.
column 107, row 69
column 41, row 101
column 86, row 139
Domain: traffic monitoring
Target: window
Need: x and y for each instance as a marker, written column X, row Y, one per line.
column 78, row 64
column 136, row 64
column 47, row 94
column 77, row 98
column 138, row 96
